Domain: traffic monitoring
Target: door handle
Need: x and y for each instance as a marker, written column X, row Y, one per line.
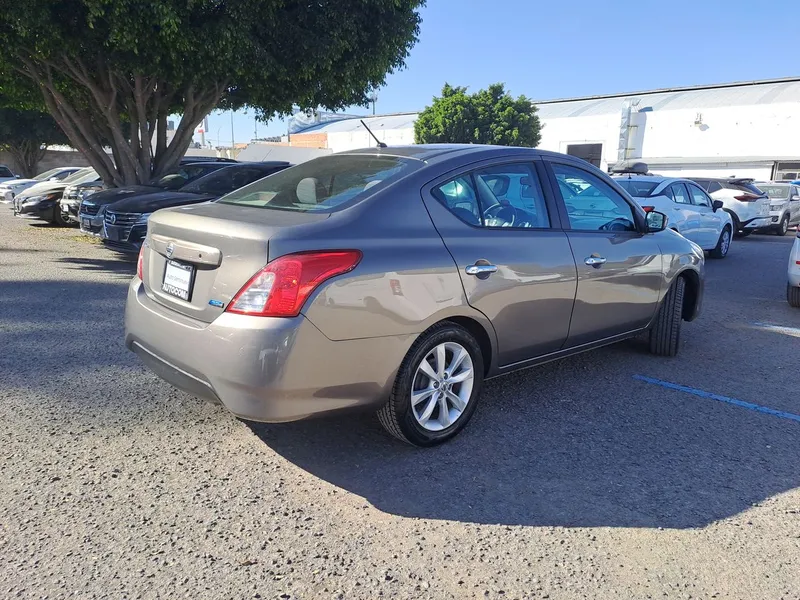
column 676, row 208
column 480, row 269
column 595, row 261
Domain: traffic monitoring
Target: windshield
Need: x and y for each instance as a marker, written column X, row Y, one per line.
column 5, row 172
column 78, row 176
column 637, row 189
column 46, row 175
column 323, row 184
column 775, row 191
column 226, row 180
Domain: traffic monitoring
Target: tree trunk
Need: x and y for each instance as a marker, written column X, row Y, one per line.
column 26, row 156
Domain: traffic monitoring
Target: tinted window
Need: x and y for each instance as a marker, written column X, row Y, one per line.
column 459, row 196
column 510, row 196
column 713, row 186
column 591, row 203
column 638, row 189
column 322, row 184
column 699, row 197
column 225, row 180
column 5, row 172
column 679, row 193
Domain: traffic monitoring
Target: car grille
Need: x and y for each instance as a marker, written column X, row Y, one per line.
column 121, row 219
column 89, row 209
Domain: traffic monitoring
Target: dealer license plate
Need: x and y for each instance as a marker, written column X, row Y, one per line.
column 178, row 280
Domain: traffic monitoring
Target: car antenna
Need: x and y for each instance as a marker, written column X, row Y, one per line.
column 374, row 137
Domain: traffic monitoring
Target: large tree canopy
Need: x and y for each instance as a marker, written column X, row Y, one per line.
column 99, row 64
column 25, row 134
column 489, row 116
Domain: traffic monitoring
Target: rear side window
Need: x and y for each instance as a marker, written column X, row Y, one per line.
column 679, row 193
column 323, row 184
column 713, row 186
column 502, row 196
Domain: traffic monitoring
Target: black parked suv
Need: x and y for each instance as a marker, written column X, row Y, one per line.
column 125, row 221
column 92, row 205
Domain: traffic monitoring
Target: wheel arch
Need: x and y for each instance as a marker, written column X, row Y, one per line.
column 479, row 332
column 691, row 294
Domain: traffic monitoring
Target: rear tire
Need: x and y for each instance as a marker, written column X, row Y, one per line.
column 783, row 228
column 723, row 244
column 665, row 335
column 793, row 295
column 406, row 421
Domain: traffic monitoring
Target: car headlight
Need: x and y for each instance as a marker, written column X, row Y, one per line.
column 31, row 199
column 86, row 193
column 143, row 218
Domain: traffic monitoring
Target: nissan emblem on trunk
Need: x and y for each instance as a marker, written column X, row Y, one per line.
column 170, row 249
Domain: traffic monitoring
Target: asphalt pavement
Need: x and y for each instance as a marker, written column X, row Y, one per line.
column 613, row 474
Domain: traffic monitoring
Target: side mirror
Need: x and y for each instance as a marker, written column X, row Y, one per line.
column 656, row 221
column 794, row 198
column 716, row 205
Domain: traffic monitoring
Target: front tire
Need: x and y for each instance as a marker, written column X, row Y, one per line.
column 58, row 220
column 793, row 295
column 437, row 387
column 783, row 228
column 665, row 335
column 723, row 244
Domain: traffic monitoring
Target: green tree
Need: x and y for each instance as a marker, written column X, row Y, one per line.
column 490, row 116
column 26, row 134
column 99, row 64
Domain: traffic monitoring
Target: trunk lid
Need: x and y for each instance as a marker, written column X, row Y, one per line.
column 224, row 245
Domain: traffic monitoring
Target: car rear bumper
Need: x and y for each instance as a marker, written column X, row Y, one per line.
column 261, row 369
column 757, row 223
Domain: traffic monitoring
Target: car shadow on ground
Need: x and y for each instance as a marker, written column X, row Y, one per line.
column 121, row 264
column 561, row 445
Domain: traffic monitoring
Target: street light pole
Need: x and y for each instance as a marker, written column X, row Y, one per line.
column 233, row 144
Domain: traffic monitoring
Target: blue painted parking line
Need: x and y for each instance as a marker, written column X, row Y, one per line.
column 725, row 399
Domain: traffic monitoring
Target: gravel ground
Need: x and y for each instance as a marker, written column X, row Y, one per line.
column 574, row 480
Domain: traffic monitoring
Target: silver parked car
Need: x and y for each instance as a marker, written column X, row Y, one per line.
column 784, row 204
column 398, row 279
column 747, row 205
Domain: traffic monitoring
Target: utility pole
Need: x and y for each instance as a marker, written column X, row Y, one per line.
column 255, row 135
column 233, row 144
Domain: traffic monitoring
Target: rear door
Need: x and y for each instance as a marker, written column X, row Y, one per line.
column 512, row 254
column 619, row 267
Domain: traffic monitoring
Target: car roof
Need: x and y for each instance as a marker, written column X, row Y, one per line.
column 432, row 153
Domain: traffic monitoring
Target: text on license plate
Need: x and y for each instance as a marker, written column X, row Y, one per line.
column 178, row 279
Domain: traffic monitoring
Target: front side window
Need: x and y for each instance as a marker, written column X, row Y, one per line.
column 592, row 204
column 699, row 197
column 323, row 184
column 679, row 193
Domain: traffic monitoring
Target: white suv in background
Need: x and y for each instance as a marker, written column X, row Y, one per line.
column 746, row 203
column 690, row 211
column 793, row 287
column 784, row 204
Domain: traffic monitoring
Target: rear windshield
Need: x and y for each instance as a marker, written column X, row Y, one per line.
column 323, row 184
column 775, row 191
column 742, row 186
column 637, row 189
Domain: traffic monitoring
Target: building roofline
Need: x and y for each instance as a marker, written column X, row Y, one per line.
column 713, row 86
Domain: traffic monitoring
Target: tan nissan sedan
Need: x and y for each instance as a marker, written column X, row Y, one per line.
column 399, row 279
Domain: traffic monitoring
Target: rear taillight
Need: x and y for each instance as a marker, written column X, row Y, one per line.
column 649, row 208
column 281, row 288
column 140, row 264
column 747, row 198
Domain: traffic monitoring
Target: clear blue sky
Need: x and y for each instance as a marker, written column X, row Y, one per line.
column 562, row 49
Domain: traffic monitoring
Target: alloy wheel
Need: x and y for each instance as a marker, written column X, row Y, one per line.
column 726, row 242
column 442, row 386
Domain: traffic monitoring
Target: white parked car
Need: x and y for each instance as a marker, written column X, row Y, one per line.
column 784, row 204
column 9, row 189
column 742, row 199
column 690, row 211
column 793, row 287
column 7, row 174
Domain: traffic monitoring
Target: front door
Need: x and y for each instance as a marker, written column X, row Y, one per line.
column 619, row 268
column 516, row 267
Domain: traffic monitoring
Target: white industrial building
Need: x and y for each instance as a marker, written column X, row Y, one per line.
column 749, row 129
